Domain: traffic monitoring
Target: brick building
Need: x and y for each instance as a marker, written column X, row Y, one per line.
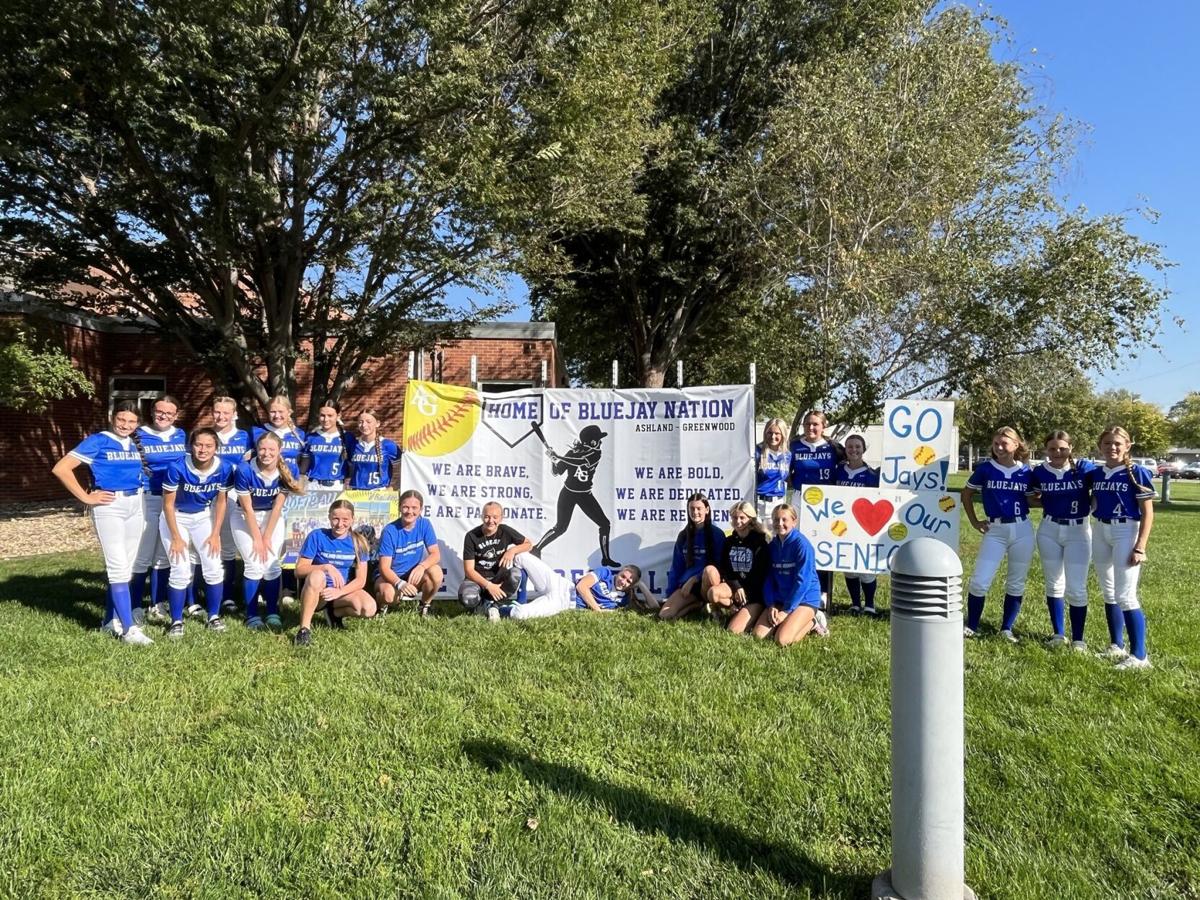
column 123, row 361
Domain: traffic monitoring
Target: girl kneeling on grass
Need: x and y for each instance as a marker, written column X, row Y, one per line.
column 328, row 555
column 698, row 545
column 792, row 593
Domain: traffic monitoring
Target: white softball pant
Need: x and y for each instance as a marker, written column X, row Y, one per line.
column 150, row 551
column 195, row 528
column 558, row 594
column 1014, row 540
column 1112, row 545
column 1066, row 552
column 119, row 527
column 255, row 567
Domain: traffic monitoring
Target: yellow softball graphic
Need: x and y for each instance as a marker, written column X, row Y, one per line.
column 898, row 531
column 924, row 455
column 438, row 418
column 838, row 527
column 813, row 496
column 946, row 503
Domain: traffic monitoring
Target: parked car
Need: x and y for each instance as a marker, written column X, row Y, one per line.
column 1190, row 471
column 1174, row 467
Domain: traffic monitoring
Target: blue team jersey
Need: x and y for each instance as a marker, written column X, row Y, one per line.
column 115, row 462
column 680, row 571
column 812, row 463
column 406, row 547
column 604, row 591
column 864, row 477
column 161, row 448
column 233, row 445
column 250, row 481
column 371, row 464
column 1064, row 492
column 327, row 454
column 792, row 578
column 1115, row 495
column 1003, row 489
column 196, row 489
column 771, row 468
column 292, row 440
column 324, row 549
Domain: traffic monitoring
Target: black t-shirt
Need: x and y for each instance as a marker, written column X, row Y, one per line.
column 486, row 551
column 744, row 563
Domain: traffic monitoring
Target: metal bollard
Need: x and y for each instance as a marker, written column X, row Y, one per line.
column 927, row 726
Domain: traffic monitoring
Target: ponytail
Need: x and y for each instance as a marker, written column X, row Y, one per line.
column 130, row 406
column 362, row 549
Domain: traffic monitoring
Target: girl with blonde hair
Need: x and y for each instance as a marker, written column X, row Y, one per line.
column 734, row 584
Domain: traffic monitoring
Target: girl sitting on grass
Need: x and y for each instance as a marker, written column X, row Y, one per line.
column 325, row 562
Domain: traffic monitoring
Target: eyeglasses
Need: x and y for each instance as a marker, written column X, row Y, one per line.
column 159, row 414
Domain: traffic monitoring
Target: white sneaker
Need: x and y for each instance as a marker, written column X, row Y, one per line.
column 1008, row 636
column 114, row 627
column 821, row 624
column 1057, row 640
column 159, row 614
column 139, row 616
column 1079, row 646
column 968, row 632
column 493, row 613
column 136, row 636
column 1132, row 662
column 1114, row 652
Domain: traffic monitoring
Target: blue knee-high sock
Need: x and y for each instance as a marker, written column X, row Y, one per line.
column 213, row 595
column 175, row 598
column 110, row 611
column 868, row 588
column 120, row 598
column 1112, row 613
column 250, row 595
column 974, row 611
column 1078, row 617
column 194, row 585
column 270, row 592
column 854, row 588
column 1055, row 605
column 230, row 566
column 1135, row 623
column 289, row 579
column 137, row 588
column 159, row 585
column 1012, row 607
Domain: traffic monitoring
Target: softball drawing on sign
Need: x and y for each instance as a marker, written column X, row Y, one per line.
column 438, row 418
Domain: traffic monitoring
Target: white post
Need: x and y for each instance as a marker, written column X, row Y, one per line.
column 753, row 373
column 614, row 384
column 474, row 369
column 679, row 373
column 927, row 726
column 545, row 371
column 412, row 364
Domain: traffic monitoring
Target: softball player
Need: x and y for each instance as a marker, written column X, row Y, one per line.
column 1123, row 496
column 792, row 592
column 1064, row 539
column 323, row 457
column 734, row 586
column 772, row 465
column 371, row 456
column 856, row 473
column 409, row 557
column 814, row 459
column 162, row 444
column 118, row 471
column 325, row 562
column 233, row 446
column 603, row 589
column 1003, row 485
column 699, row 544
column 258, row 491
column 281, row 424
column 193, row 510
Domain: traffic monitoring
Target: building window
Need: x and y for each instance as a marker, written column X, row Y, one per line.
column 141, row 389
column 500, row 387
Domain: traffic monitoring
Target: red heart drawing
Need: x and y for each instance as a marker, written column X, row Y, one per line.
column 872, row 516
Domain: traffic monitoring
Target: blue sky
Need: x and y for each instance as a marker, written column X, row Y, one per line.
column 1129, row 72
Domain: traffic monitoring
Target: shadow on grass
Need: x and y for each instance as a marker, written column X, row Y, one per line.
column 74, row 594
column 646, row 813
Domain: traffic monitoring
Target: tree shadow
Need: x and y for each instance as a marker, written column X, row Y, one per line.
column 646, row 813
column 74, row 594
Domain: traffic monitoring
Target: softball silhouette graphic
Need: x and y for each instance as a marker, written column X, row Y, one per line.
column 924, row 455
column 838, row 527
column 946, row 503
column 438, row 419
column 813, row 495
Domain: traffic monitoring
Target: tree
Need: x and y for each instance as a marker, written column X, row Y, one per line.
column 33, row 373
column 255, row 174
column 1146, row 423
column 1185, row 421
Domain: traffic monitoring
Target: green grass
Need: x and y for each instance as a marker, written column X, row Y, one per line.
column 408, row 758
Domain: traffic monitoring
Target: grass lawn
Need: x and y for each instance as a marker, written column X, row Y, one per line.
column 581, row 756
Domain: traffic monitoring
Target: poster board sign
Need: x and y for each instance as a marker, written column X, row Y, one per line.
column 303, row 513
column 918, row 444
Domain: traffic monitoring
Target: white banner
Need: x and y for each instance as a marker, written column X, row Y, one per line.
column 587, row 475
column 918, row 444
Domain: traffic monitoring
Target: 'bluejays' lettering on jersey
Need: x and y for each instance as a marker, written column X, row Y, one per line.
column 406, row 547
column 327, row 452
column 233, row 445
column 604, row 591
column 371, row 463
column 195, row 489
column 812, row 463
column 706, row 538
column 1003, row 489
column 1114, row 493
column 326, row 550
column 292, row 440
column 115, row 462
column 771, row 469
column 792, row 579
column 862, row 477
column 1064, row 492
column 161, row 448
column 250, row 481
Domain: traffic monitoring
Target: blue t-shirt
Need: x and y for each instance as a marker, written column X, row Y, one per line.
column 604, row 592
column 232, row 446
column 792, row 579
column 812, row 463
column 371, row 464
column 262, row 489
column 324, row 549
column 680, row 571
column 194, row 489
column 1064, row 492
column 863, row 477
column 292, row 440
column 1115, row 495
column 161, row 449
column 771, row 468
column 115, row 462
column 1003, row 489
column 406, row 547
column 327, row 454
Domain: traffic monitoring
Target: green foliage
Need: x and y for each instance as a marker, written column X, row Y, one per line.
column 1185, row 421
column 33, row 373
column 1146, row 423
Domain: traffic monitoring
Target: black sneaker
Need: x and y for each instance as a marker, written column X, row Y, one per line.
column 330, row 619
column 229, row 607
column 303, row 638
column 175, row 631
